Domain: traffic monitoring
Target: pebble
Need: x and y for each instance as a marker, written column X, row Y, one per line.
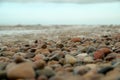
column 75, row 39
column 47, row 71
column 38, row 57
column 22, row 70
column 70, row 59
column 80, row 57
column 39, row 64
column 91, row 66
column 81, row 70
column 105, row 70
column 88, row 59
column 101, row 53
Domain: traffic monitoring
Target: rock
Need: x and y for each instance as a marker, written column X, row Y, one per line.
column 47, row 71
column 117, row 45
column 70, row 59
column 56, row 57
column 105, row 70
column 44, row 46
column 80, row 57
column 59, row 45
column 39, row 64
column 29, row 55
column 88, row 59
column 112, row 75
column 110, row 57
column 3, row 75
column 38, row 57
column 91, row 66
column 57, row 78
column 42, row 77
column 101, row 53
column 7, row 53
column 93, row 75
column 90, row 49
column 32, row 50
column 45, row 52
column 20, row 54
column 4, row 59
column 52, row 62
column 18, row 59
column 3, row 65
column 81, row 70
column 75, row 39
column 22, row 70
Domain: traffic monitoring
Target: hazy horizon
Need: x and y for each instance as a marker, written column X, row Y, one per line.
column 12, row 13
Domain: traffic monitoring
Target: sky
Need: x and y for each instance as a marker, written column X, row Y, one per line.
column 51, row 12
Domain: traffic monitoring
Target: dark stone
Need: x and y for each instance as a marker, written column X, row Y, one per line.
column 105, row 70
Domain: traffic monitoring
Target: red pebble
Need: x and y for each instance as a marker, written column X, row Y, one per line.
column 75, row 39
column 99, row 54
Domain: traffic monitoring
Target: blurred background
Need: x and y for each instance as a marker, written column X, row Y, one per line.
column 59, row 12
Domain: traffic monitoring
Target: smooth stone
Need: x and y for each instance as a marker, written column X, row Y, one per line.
column 3, row 65
column 7, row 53
column 57, row 78
column 38, row 57
column 39, row 64
column 105, row 69
column 20, row 54
column 19, row 59
column 22, row 70
column 88, row 59
column 91, row 66
column 80, row 70
column 4, row 59
column 3, row 75
column 29, row 55
column 55, row 57
column 47, row 71
column 111, row 56
column 90, row 49
column 93, row 75
column 42, row 77
column 75, row 39
column 70, row 59
column 80, row 57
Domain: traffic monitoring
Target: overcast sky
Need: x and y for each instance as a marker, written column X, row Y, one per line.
column 59, row 12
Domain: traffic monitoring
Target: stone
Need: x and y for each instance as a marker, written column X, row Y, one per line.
column 3, row 65
column 88, row 59
column 22, row 70
column 42, row 77
column 3, row 75
column 29, row 55
column 110, row 57
column 4, row 59
column 105, row 69
column 38, row 57
column 70, row 59
column 91, row 66
column 80, row 57
column 75, row 39
column 39, row 64
column 45, row 51
column 7, row 53
column 90, row 49
column 101, row 53
column 80, row 70
column 18, row 59
column 47, row 71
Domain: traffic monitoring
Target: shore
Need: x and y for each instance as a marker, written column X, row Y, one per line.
column 60, row 52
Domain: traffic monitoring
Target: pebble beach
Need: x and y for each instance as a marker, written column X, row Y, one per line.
column 60, row 52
